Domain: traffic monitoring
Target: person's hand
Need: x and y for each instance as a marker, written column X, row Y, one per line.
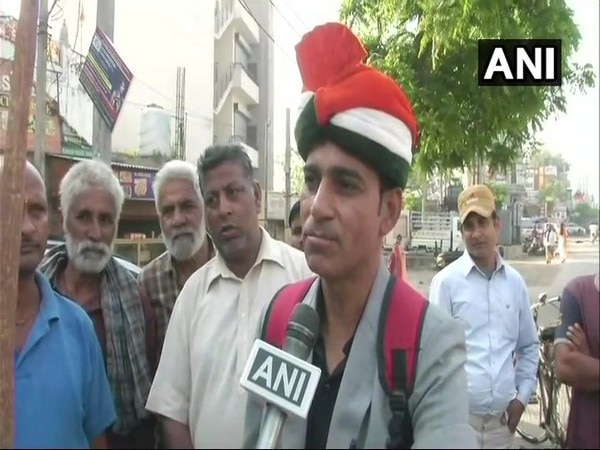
column 577, row 339
column 513, row 414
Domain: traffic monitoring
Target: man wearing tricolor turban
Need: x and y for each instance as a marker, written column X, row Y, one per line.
column 357, row 133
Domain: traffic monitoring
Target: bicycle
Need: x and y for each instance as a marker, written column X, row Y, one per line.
column 549, row 406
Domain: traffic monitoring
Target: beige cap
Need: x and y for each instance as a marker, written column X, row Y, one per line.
column 478, row 199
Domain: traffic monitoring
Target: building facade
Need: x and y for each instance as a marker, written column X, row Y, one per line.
column 243, row 74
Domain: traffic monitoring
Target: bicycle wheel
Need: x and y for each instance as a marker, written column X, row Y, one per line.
column 559, row 412
column 532, row 426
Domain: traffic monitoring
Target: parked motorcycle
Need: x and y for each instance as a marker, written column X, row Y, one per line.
column 533, row 246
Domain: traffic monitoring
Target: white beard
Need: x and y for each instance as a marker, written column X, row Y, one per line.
column 88, row 256
column 183, row 244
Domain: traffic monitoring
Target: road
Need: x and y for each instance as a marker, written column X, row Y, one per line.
column 583, row 258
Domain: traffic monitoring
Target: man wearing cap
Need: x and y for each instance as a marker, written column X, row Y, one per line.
column 357, row 132
column 490, row 299
column 295, row 224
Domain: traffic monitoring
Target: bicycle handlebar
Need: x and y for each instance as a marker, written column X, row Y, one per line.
column 546, row 301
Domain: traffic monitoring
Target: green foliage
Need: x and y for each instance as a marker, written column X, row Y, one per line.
column 584, row 214
column 500, row 194
column 430, row 47
column 557, row 190
column 413, row 200
column 544, row 157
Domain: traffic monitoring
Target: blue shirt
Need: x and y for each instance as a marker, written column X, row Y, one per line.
column 62, row 396
column 498, row 324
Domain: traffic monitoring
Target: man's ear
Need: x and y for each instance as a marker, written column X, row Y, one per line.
column 257, row 195
column 390, row 210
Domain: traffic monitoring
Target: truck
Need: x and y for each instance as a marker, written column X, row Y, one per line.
column 435, row 232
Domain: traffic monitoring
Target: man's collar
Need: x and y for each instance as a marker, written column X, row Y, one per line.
column 269, row 251
column 467, row 263
column 48, row 307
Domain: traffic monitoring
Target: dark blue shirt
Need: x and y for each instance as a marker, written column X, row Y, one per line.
column 62, row 396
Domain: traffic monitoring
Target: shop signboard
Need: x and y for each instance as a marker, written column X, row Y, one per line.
column 137, row 184
column 105, row 78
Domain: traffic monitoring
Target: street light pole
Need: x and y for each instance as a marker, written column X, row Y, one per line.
column 101, row 134
column 40, row 89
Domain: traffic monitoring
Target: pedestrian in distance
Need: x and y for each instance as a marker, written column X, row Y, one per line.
column 397, row 260
column 549, row 238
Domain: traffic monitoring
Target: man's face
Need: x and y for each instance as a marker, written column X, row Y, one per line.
column 34, row 227
column 480, row 235
column 181, row 219
column 90, row 228
column 232, row 203
column 296, row 229
column 344, row 213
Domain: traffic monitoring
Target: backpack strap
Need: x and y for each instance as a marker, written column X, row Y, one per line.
column 280, row 311
column 400, row 323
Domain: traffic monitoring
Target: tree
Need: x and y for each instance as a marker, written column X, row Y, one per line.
column 544, row 157
column 556, row 190
column 584, row 214
column 413, row 201
column 500, row 194
column 430, row 47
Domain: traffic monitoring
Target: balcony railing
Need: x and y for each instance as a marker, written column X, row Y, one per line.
column 231, row 10
column 223, row 82
column 223, row 15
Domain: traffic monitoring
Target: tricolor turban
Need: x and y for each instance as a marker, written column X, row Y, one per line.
column 355, row 106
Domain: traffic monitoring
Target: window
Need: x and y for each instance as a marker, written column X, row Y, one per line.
column 240, row 125
column 252, row 136
column 242, row 56
column 253, row 71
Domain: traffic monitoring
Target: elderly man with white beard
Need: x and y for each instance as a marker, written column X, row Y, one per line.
column 180, row 209
column 84, row 270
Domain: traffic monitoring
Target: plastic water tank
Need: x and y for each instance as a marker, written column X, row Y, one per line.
column 155, row 132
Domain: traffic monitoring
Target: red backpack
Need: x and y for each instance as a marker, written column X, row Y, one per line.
column 397, row 344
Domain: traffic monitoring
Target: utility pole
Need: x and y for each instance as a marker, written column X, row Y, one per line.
column 267, row 126
column 11, row 208
column 101, row 134
column 40, row 89
column 288, row 162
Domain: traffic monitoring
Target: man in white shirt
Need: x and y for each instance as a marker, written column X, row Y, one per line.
column 593, row 232
column 490, row 298
column 549, row 238
column 196, row 390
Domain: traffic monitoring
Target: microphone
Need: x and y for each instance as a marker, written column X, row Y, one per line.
column 283, row 377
